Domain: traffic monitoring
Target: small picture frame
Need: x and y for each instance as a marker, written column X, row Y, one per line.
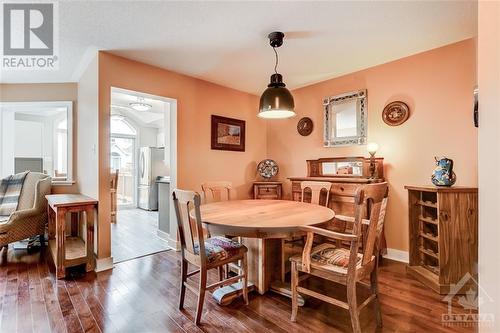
column 227, row 134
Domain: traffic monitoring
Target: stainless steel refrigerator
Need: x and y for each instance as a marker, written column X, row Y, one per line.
column 151, row 166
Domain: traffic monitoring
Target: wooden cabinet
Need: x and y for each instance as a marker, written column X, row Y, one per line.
column 267, row 190
column 443, row 235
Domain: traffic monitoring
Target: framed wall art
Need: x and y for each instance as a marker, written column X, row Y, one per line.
column 227, row 134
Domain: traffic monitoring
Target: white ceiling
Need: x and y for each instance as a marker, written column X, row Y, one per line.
column 226, row 42
column 154, row 117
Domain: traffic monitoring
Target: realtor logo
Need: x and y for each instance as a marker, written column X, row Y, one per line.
column 29, row 36
column 470, row 302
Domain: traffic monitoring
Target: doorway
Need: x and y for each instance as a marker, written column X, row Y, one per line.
column 140, row 155
column 123, row 161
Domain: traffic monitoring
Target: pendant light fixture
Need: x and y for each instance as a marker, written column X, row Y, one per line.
column 276, row 101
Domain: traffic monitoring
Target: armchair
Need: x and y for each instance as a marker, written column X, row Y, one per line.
column 30, row 217
column 344, row 266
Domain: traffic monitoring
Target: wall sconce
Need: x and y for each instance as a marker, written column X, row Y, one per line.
column 372, row 148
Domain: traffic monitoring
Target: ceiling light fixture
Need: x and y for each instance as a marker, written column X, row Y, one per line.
column 276, row 101
column 140, row 105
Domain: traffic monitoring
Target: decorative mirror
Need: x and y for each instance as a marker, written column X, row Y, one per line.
column 345, row 119
column 346, row 168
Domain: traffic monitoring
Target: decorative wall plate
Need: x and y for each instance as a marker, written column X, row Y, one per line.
column 395, row 113
column 267, row 168
column 305, row 126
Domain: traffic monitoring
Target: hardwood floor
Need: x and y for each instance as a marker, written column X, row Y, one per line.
column 134, row 234
column 141, row 295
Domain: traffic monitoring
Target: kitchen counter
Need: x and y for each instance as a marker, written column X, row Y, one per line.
column 163, row 203
column 163, row 179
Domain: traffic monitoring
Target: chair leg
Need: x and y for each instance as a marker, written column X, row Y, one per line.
column 201, row 294
column 353, row 306
column 245, row 278
column 184, row 267
column 42, row 240
column 374, row 288
column 222, row 273
column 295, row 294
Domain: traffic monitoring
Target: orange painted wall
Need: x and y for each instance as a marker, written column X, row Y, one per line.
column 196, row 101
column 437, row 85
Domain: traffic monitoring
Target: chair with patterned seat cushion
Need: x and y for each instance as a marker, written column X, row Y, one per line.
column 332, row 262
column 213, row 252
column 316, row 191
column 217, row 191
column 220, row 248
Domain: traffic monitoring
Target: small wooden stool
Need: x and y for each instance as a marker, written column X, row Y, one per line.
column 70, row 250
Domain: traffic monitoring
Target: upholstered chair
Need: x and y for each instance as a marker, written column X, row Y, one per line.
column 30, row 218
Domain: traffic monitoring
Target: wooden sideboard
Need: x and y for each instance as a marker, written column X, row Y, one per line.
column 443, row 236
column 344, row 185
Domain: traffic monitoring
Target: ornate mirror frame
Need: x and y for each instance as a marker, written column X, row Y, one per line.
column 359, row 97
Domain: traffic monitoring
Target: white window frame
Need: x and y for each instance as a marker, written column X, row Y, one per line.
column 69, row 113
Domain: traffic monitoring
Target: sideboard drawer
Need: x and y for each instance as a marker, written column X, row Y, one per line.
column 271, row 190
column 267, row 191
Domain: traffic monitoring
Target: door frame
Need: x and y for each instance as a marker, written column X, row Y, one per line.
column 170, row 123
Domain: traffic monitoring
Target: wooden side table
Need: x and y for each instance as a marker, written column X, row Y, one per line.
column 268, row 190
column 71, row 250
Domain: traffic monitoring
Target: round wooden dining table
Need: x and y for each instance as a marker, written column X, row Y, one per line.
column 263, row 224
column 262, row 218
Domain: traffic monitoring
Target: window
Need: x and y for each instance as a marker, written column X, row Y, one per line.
column 37, row 137
column 123, row 151
column 120, row 126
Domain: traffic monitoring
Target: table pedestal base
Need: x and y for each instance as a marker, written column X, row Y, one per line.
column 226, row 294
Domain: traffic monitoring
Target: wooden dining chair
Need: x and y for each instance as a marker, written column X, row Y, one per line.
column 113, row 191
column 291, row 246
column 213, row 252
column 216, row 191
column 341, row 265
column 349, row 222
column 316, row 189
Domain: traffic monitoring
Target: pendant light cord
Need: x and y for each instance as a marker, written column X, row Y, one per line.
column 276, row 63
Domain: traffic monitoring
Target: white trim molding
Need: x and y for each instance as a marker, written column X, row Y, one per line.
column 397, row 255
column 103, row 264
column 172, row 243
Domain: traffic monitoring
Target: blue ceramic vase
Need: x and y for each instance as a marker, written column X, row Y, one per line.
column 443, row 174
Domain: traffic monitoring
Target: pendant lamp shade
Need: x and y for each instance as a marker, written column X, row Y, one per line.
column 276, row 102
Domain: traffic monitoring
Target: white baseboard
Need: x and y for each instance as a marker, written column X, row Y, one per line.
column 397, row 255
column 172, row 243
column 163, row 235
column 103, row 264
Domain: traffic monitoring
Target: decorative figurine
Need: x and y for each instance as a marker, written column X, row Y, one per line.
column 443, row 174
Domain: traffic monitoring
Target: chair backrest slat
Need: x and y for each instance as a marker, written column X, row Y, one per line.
column 375, row 196
column 217, row 191
column 316, row 189
column 190, row 230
